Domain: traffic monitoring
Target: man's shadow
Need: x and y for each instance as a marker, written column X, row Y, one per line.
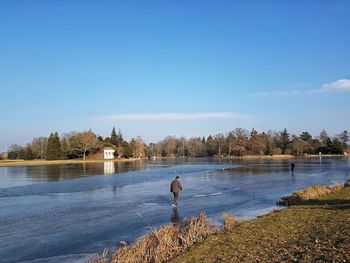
column 175, row 217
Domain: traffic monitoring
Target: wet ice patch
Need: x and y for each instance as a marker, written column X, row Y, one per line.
column 255, row 212
column 72, row 258
column 205, row 195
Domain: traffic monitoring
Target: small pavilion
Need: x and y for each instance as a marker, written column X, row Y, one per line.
column 108, row 153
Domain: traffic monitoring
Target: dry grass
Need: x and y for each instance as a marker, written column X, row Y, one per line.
column 310, row 193
column 316, row 232
column 161, row 244
column 230, row 222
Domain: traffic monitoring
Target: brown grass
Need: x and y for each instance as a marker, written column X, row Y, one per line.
column 161, row 244
column 310, row 193
column 316, row 232
column 230, row 222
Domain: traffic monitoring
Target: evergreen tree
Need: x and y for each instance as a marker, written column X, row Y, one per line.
column 18, row 150
column 284, row 140
column 22, row 154
column 210, row 146
column 329, row 145
column 120, row 136
column 337, row 147
column 127, row 151
column 12, row 155
column 114, row 138
column 29, row 153
column 344, row 138
column 305, row 136
column 53, row 151
column 253, row 133
column 324, row 137
column 64, row 149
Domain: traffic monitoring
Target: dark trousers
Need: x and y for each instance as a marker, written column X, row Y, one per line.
column 176, row 196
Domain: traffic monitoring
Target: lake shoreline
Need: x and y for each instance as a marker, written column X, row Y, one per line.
column 81, row 161
column 280, row 156
column 281, row 235
column 314, row 229
column 55, row 162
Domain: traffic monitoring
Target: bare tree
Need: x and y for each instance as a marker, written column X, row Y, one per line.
column 298, row 146
column 16, row 151
column 220, row 139
column 138, row 147
column 82, row 142
column 196, row 147
column 258, row 144
column 39, row 146
column 169, row 145
column 241, row 141
column 182, row 145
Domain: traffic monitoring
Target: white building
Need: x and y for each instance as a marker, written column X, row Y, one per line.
column 108, row 153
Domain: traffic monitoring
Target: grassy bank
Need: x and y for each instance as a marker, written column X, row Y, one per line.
column 160, row 244
column 44, row 162
column 314, row 229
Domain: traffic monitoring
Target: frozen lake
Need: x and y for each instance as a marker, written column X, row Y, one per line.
column 63, row 213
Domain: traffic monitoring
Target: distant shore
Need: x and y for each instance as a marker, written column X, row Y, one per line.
column 76, row 161
column 280, row 156
column 73, row 161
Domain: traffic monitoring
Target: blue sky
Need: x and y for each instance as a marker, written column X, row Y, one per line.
column 157, row 68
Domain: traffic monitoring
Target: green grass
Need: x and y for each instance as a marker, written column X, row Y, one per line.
column 317, row 230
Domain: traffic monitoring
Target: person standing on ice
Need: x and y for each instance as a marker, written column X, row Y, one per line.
column 175, row 188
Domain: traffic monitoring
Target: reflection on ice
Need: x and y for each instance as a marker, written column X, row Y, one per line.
column 108, row 167
column 175, row 217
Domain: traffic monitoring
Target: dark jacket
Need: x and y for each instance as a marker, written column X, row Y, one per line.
column 175, row 186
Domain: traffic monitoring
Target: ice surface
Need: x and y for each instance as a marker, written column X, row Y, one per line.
column 64, row 213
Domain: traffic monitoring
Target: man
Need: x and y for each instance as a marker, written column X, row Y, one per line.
column 175, row 188
column 292, row 167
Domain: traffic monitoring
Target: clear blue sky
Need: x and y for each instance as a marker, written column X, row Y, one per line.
column 75, row 65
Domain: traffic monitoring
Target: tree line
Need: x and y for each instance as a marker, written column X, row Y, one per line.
column 238, row 142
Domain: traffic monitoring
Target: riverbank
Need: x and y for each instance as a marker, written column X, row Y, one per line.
column 45, row 162
column 315, row 230
column 281, row 156
column 75, row 161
